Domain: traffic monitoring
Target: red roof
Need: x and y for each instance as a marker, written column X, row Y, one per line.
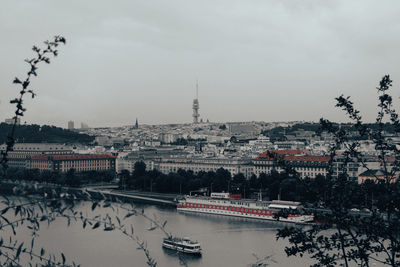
column 74, row 156
column 307, row 158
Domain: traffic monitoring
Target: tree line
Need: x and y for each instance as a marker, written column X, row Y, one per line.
column 274, row 185
column 70, row 178
column 43, row 134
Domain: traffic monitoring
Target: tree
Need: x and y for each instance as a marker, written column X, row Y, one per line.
column 124, row 177
column 221, row 180
column 42, row 56
column 33, row 205
column 72, row 178
column 139, row 169
column 344, row 237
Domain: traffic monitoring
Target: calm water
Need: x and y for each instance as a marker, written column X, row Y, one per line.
column 225, row 241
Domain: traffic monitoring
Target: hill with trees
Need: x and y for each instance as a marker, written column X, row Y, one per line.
column 278, row 133
column 43, row 134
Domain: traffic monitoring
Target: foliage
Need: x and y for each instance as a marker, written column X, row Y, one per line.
column 180, row 182
column 278, row 133
column 39, row 134
column 41, row 56
column 71, row 178
column 345, row 237
column 50, row 204
column 32, row 206
column 289, row 187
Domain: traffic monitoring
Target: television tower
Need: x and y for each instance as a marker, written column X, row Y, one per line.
column 196, row 106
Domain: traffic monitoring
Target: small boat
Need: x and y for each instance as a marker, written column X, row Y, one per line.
column 184, row 245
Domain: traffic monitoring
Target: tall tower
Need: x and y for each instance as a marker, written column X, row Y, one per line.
column 196, row 106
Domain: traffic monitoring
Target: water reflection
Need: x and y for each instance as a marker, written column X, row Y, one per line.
column 226, row 241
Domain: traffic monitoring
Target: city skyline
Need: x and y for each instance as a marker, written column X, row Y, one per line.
column 261, row 61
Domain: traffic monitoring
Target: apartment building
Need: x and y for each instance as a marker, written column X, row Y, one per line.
column 300, row 160
column 19, row 156
column 79, row 162
column 234, row 166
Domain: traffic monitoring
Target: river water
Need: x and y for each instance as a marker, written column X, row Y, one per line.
column 226, row 241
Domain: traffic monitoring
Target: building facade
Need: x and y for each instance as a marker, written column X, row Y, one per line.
column 79, row 162
column 234, row 166
column 304, row 164
column 19, row 157
column 148, row 156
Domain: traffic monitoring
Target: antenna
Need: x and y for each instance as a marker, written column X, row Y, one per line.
column 195, row 106
column 197, row 88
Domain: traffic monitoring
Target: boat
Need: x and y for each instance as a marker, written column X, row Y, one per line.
column 184, row 245
column 233, row 205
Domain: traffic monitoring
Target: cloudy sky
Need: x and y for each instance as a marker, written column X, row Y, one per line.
column 264, row 60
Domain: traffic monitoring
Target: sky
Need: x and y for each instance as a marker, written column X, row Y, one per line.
column 259, row 60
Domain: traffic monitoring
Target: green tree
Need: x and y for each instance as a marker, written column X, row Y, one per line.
column 124, row 177
column 71, row 178
column 33, row 206
column 343, row 237
column 139, row 169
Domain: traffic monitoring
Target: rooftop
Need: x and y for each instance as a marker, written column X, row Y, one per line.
column 73, row 157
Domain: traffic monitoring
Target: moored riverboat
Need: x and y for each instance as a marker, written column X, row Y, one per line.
column 232, row 205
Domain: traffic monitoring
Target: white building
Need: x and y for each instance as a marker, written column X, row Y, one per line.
column 305, row 165
column 234, row 166
column 22, row 151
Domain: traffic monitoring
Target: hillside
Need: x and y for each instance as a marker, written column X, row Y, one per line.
column 44, row 134
column 278, row 133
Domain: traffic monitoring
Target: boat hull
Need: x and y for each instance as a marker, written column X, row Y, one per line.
column 248, row 210
column 183, row 250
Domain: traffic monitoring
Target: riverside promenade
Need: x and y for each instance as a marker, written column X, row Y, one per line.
column 104, row 189
column 143, row 197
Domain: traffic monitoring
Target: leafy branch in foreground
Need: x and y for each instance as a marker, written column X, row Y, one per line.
column 42, row 55
column 34, row 212
column 38, row 208
column 49, row 205
column 343, row 237
column 261, row 262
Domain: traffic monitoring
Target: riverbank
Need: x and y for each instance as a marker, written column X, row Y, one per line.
column 142, row 197
column 108, row 190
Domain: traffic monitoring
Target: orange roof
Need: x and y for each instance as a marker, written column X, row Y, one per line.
column 74, row 156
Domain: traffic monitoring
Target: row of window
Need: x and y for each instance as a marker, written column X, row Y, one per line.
column 245, row 210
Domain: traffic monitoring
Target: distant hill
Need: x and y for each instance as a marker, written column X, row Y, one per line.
column 278, row 133
column 44, row 134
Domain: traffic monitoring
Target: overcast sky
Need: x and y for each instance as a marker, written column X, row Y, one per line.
column 266, row 60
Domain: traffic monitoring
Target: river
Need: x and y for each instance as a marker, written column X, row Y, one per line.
column 226, row 241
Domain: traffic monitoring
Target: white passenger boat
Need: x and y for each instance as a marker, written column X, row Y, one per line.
column 184, row 245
